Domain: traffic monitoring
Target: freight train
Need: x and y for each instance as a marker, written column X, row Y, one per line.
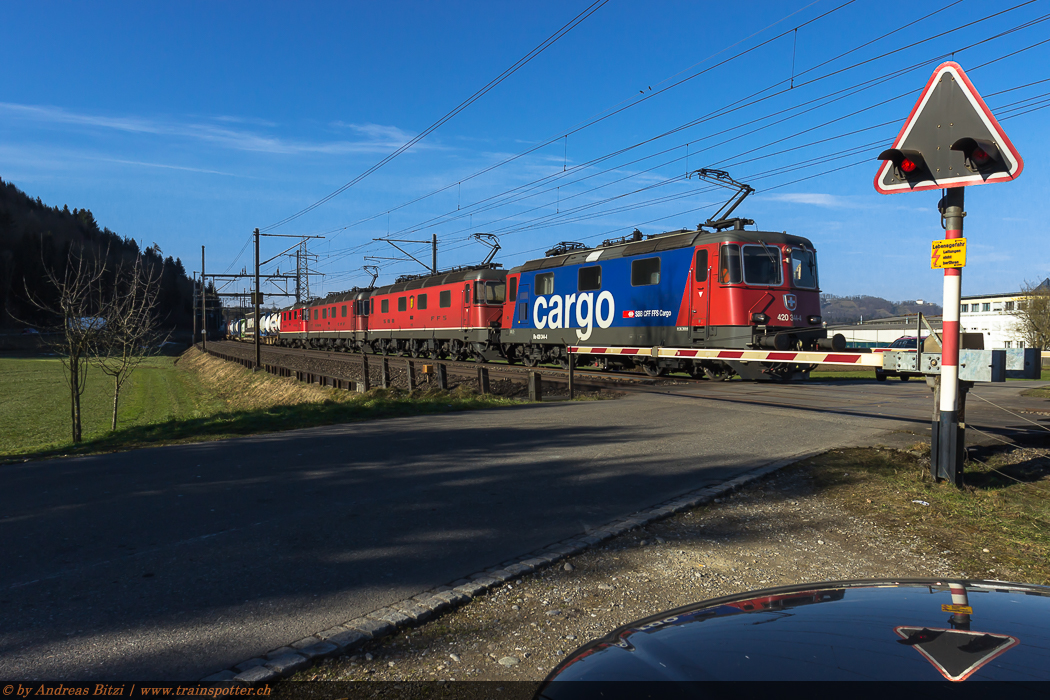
column 723, row 288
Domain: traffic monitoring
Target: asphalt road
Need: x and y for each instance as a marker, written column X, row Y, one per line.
column 172, row 563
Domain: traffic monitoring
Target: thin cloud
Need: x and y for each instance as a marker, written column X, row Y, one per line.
column 377, row 138
column 817, row 199
column 168, row 167
column 60, row 159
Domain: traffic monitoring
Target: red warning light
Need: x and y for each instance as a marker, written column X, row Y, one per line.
column 908, row 165
column 980, row 156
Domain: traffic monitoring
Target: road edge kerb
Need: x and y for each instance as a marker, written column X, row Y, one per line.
column 420, row 608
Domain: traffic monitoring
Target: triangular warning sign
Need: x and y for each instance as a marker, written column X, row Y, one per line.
column 948, row 112
column 957, row 654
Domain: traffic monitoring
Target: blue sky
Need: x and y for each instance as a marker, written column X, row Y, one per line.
column 188, row 124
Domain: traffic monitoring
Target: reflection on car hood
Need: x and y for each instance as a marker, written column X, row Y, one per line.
column 915, row 629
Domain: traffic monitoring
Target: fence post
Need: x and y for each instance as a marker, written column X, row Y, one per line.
column 572, row 376
column 366, row 380
column 386, row 373
column 483, row 380
column 410, row 374
column 442, row 375
column 535, row 387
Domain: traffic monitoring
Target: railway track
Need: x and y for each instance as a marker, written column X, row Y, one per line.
column 412, row 372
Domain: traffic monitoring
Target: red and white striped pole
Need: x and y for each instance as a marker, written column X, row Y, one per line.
column 948, row 439
column 959, row 620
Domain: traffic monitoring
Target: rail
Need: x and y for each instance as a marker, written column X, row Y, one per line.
column 418, row 373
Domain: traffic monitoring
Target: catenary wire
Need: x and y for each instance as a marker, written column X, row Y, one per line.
column 966, row 25
column 590, row 10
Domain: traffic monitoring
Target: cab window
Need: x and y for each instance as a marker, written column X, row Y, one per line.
column 803, row 268
column 729, row 265
column 512, row 293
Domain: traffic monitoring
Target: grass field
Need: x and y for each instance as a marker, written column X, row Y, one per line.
column 997, row 526
column 34, row 416
column 187, row 399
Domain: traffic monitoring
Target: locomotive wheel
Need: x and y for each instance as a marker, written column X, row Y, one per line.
column 905, row 377
column 415, row 352
column 653, row 369
column 528, row 361
column 719, row 375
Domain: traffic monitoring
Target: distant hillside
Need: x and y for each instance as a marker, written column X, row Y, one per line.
column 853, row 309
column 33, row 234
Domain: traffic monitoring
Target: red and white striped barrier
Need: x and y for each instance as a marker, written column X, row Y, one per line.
column 858, row 359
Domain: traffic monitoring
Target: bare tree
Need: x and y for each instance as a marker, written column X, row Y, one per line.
column 131, row 331
column 1033, row 315
column 75, row 313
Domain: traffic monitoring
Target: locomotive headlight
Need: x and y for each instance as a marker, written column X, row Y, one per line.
column 760, row 319
column 813, row 320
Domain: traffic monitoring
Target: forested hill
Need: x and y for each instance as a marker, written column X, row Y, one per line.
column 853, row 309
column 33, row 234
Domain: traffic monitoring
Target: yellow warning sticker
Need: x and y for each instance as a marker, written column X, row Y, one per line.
column 961, row 609
column 948, row 252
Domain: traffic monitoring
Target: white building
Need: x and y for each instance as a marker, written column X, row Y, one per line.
column 880, row 333
column 992, row 315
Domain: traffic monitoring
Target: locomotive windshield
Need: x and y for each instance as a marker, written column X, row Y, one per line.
column 750, row 264
column 491, row 292
column 762, row 265
column 803, row 268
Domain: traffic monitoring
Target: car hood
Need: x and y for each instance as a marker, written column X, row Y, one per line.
column 844, row 630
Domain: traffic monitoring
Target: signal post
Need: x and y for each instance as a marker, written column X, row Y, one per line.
column 948, row 439
column 951, row 140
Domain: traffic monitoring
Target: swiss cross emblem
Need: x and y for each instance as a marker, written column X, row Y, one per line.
column 790, row 301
